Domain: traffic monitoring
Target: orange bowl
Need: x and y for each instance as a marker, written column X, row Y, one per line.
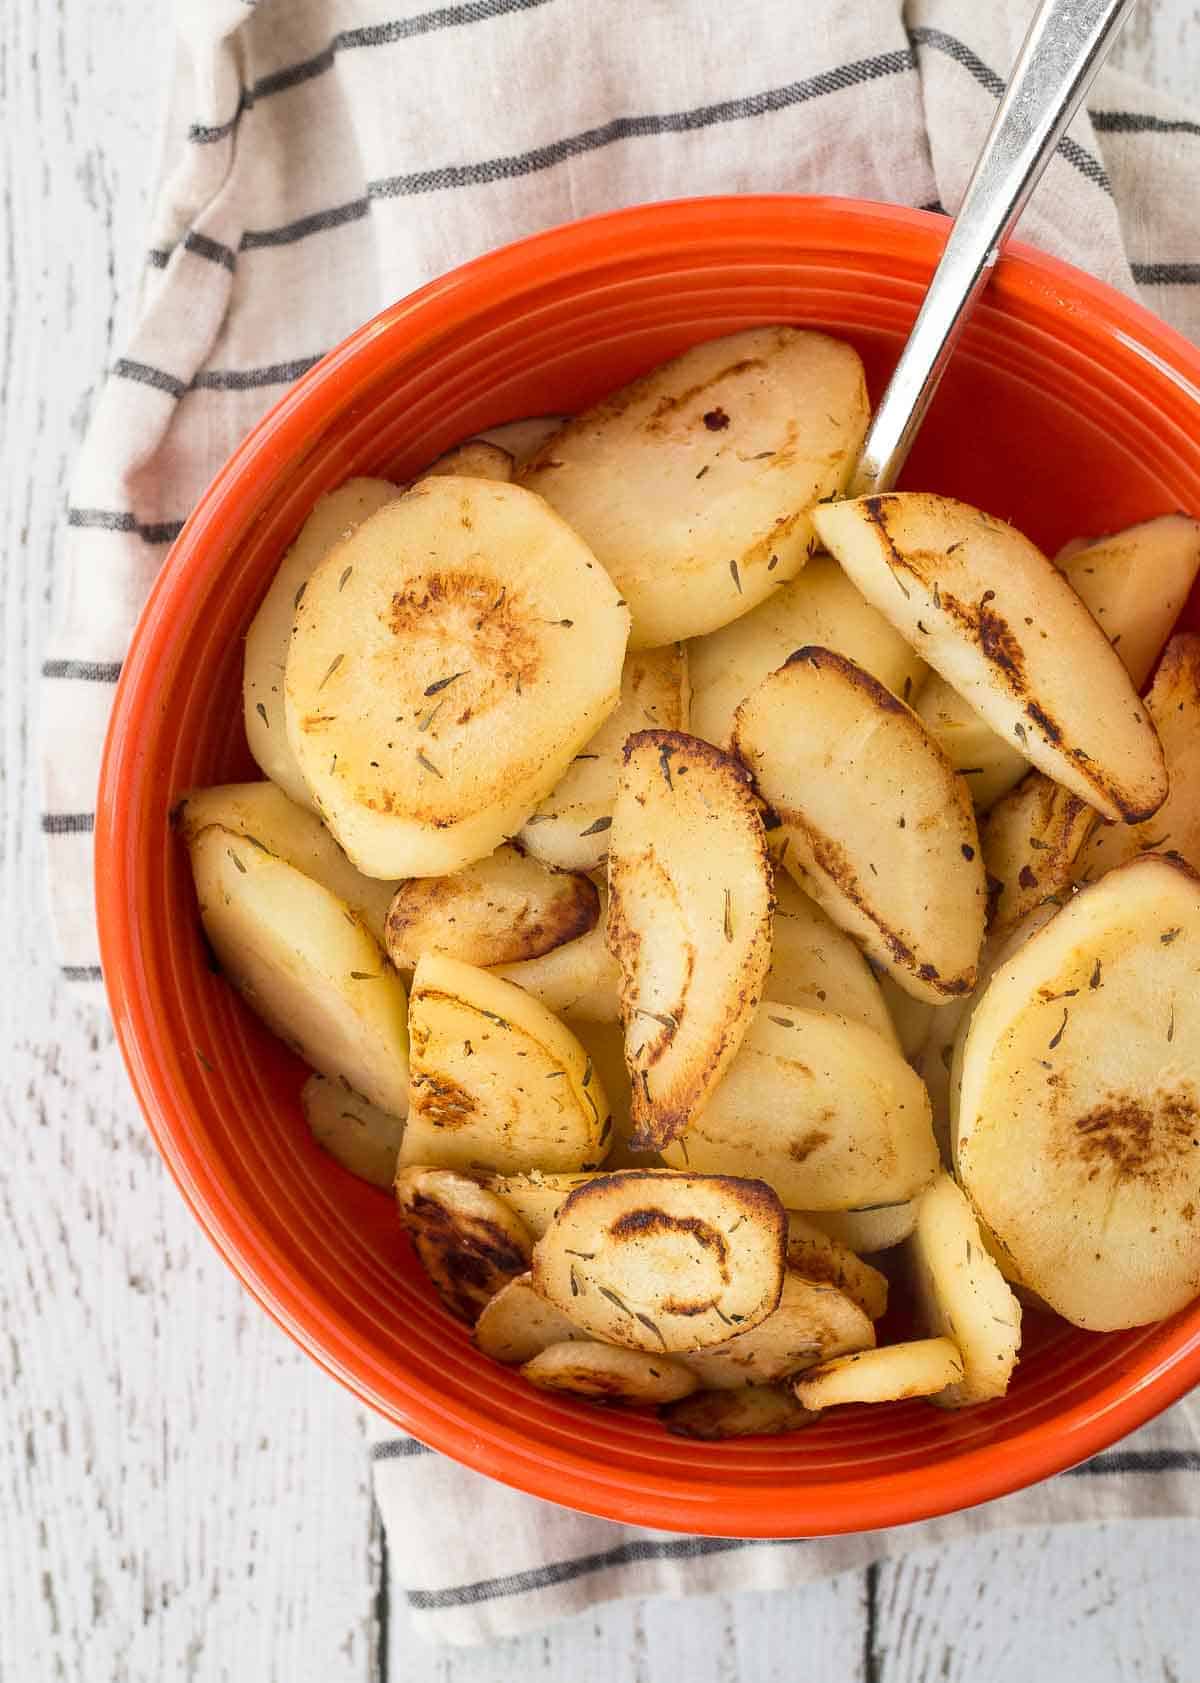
column 1067, row 410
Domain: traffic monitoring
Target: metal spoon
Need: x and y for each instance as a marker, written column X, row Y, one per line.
column 1067, row 43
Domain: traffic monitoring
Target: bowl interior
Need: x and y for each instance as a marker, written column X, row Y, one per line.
column 1066, row 411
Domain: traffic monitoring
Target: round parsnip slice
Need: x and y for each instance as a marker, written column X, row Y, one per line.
column 572, row 826
column 467, row 1240
column 497, row 1082
column 867, row 1231
column 689, row 922
column 500, row 910
column 523, row 439
column 822, row 1108
column 821, row 607
column 579, row 980
column 517, row 1324
column 536, row 1197
column 1079, row 1102
column 660, row 1261
column 990, row 765
column 1031, row 840
column 693, row 484
column 264, row 814
column 477, row 458
column 876, row 827
column 754, row 1411
column 817, row 965
column 363, row 1138
column 1135, row 583
column 447, row 663
column 301, row 959
column 921, row 1368
column 962, row 1295
column 998, row 620
column 814, row 1321
column 607, row 1375
column 818, row 1257
column 333, row 518
column 1174, row 705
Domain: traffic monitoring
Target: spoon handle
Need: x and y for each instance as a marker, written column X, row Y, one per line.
column 1067, row 43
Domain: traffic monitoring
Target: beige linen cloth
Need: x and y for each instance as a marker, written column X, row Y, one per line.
column 324, row 157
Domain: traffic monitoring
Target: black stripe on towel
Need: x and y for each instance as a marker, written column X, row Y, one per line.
column 1166, row 274
column 987, row 78
column 398, row 1449
column 371, row 35
column 563, row 1571
column 555, row 152
column 81, row 972
column 1139, row 1461
column 88, row 671
column 68, row 823
column 145, row 375
column 114, row 520
column 254, row 238
column 249, row 379
column 1136, row 122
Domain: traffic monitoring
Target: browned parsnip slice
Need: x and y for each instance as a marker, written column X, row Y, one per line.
column 1079, row 1101
column 754, row 1411
column 693, row 484
column 1031, row 840
column 1174, row 705
column 922, row 1368
column 877, row 827
column 500, row 910
column 536, row 1197
column 363, row 1138
column 1135, row 583
column 689, row 923
column 814, row 1321
column 817, row 965
column 820, row 607
column 448, row 661
column 866, row 1231
column 605, row 1374
column 998, row 620
column 580, row 980
column 468, row 1241
column 823, row 1109
column 660, row 1261
column 989, row 764
column 572, row 826
column 475, row 459
column 497, row 1082
column 517, row 1324
column 818, row 1257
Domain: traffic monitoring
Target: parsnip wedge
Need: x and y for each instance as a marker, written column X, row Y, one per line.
column 754, row 1411
column 816, row 1256
column 363, row 1138
column 579, row 980
column 989, row 612
column 467, row 1240
column 1079, row 1102
column 817, row 965
column 693, row 484
column 962, row 1295
column 1135, row 582
column 333, row 518
column 536, row 1197
column 876, row 826
column 517, row 1324
column 814, row 1321
column 477, row 458
column 820, row 607
column 911, row 1018
column 264, row 814
column 689, row 922
column 604, row 1374
column 660, row 1261
column 572, row 826
column 823, row 1109
column 920, row 1368
column 523, row 439
column 605, row 1045
column 1031, row 840
column 1174, row 705
column 447, row 663
column 868, row 1231
column 989, row 764
column 302, row 960
column 501, row 910
column 498, row 1083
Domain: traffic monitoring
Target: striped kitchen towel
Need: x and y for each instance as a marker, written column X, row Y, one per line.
column 324, row 157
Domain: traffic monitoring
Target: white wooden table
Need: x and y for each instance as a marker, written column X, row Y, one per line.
column 182, row 1494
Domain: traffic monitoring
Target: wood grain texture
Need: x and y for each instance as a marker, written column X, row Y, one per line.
column 183, row 1494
